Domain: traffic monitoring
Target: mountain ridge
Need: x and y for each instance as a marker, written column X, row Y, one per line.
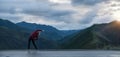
column 104, row 35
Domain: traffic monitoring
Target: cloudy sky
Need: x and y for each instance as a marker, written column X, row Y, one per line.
column 62, row 14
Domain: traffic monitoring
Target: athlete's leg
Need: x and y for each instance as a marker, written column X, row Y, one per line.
column 34, row 44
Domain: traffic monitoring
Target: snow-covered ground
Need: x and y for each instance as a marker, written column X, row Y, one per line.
column 33, row 53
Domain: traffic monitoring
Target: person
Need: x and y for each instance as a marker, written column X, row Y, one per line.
column 33, row 37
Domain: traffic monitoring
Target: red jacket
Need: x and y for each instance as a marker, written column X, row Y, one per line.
column 35, row 35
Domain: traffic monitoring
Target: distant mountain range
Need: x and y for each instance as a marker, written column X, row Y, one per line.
column 12, row 36
column 98, row 36
column 15, row 36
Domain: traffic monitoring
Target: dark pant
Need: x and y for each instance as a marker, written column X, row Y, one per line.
column 33, row 41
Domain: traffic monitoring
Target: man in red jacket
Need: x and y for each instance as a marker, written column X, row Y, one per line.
column 33, row 37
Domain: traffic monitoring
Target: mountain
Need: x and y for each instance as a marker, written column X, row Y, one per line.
column 68, row 32
column 98, row 36
column 50, row 32
column 13, row 36
column 10, row 39
column 12, row 26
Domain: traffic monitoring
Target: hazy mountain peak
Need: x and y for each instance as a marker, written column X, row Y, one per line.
column 115, row 22
column 23, row 22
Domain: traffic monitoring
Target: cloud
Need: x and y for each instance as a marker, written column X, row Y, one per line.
column 62, row 14
column 60, row 1
column 12, row 17
column 51, row 14
column 87, row 2
column 89, row 17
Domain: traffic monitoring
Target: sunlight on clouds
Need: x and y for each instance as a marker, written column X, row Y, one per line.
column 116, row 15
column 60, row 1
column 108, row 12
column 115, row 10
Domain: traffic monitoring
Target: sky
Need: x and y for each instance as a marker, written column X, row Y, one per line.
column 62, row 14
